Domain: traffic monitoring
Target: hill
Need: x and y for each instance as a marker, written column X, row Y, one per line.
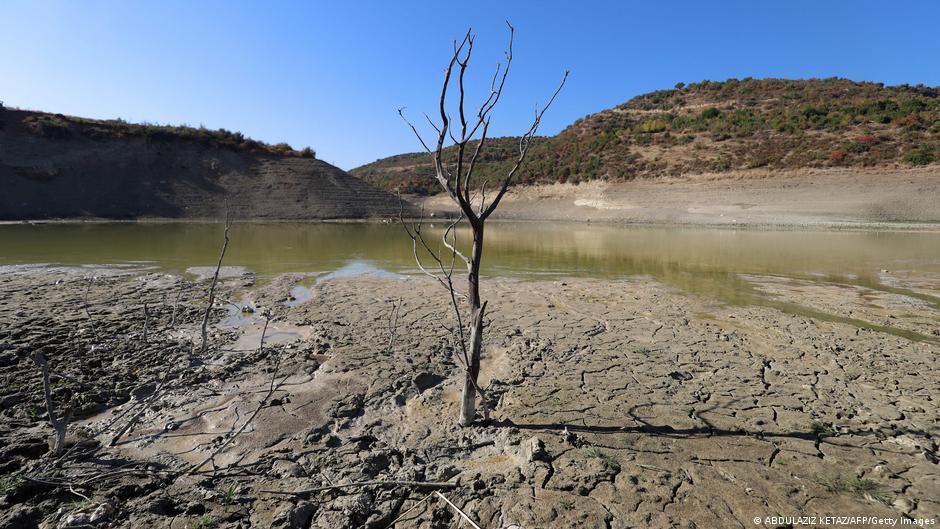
column 56, row 166
column 714, row 127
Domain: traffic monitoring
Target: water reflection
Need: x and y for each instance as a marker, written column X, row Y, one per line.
column 707, row 262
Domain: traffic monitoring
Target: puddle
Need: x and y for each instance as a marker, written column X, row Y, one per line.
column 240, row 314
column 298, row 295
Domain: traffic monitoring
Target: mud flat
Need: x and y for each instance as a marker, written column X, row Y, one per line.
column 620, row 403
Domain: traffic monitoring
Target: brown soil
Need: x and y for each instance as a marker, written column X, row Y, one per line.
column 895, row 198
column 679, row 411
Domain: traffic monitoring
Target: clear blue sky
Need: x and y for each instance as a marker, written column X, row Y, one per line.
column 331, row 74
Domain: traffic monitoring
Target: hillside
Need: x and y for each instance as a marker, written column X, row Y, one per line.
column 414, row 172
column 55, row 166
column 715, row 127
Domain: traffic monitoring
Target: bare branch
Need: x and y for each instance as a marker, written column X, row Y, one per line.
column 524, row 144
column 401, row 112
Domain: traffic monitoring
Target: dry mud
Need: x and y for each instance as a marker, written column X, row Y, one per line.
column 619, row 403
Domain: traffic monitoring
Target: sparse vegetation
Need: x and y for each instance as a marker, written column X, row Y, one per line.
column 609, row 461
column 823, row 429
column 58, row 126
column 921, row 156
column 734, row 124
column 229, row 497
column 855, row 485
column 203, row 522
column 8, row 483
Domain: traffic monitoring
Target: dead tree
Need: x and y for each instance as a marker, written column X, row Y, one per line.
column 215, row 281
column 455, row 179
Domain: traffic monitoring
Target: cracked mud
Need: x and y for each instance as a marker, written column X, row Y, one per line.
column 620, row 403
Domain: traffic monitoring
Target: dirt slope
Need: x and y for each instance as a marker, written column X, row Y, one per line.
column 716, row 127
column 60, row 167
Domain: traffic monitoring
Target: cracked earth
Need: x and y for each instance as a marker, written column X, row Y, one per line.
column 620, row 403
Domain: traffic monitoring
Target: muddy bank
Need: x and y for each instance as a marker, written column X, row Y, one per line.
column 832, row 198
column 620, row 403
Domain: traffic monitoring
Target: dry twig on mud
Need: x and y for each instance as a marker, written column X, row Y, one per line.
column 273, row 387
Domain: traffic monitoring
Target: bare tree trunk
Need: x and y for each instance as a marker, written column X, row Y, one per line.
column 468, row 402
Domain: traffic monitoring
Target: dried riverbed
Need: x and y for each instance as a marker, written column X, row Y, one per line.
column 621, row 403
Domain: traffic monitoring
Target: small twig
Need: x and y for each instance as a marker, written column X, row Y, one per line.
column 461, row 513
column 413, row 507
column 91, row 320
column 143, row 408
column 271, row 389
column 393, row 325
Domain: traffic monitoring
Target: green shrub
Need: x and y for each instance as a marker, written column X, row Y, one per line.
column 307, row 152
column 921, row 156
column 54, row 127
column 652, row 126
column 856, row 147
column 710, row 113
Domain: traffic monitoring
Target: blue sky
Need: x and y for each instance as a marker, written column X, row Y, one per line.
column 331, row 74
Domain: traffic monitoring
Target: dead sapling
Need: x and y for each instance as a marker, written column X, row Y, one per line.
column 215, row 281
column 146, row 323
column 59, row 424
column 176, row 305
column 456, row 178
column 393, row 325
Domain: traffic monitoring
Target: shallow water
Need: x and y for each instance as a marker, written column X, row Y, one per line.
column 699, row 260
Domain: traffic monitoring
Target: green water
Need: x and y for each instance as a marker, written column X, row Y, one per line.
column 706, row 262
column 680, row 254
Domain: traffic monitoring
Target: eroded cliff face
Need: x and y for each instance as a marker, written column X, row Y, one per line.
column 63, row 167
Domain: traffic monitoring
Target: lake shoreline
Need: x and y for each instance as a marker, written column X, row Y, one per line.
column 852, row 199
column 895, row 199
column 900, row 227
